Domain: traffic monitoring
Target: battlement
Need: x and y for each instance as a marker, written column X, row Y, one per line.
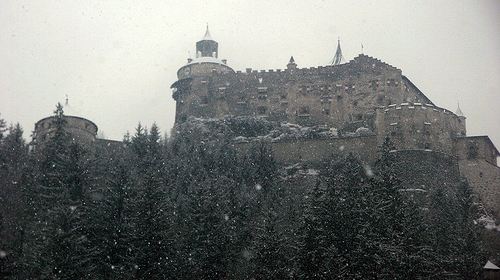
column 359, row 63
column 416, row 106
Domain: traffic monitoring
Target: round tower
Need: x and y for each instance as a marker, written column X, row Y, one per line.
column 81, row 130
column 192, row 91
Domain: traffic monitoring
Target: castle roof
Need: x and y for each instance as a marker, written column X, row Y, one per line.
column 207, row 36
column 485, row 138
column 206, row 59
column 490, row 265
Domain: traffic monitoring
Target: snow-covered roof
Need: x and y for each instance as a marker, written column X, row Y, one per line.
column 205, row 59
column 490, row 265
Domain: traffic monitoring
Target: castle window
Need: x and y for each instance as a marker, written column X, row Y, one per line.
column 262, row 89
column 427, row 146
column 304, row 111
column 326, row 99
column 203, row 100
column 350, row 87
column 262, row 96
column 380, row 99
column 373, row 84
column 472, row 151
column 261, row 110
column 391, row 82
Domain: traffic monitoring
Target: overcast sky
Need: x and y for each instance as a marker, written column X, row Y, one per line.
column 117, row 59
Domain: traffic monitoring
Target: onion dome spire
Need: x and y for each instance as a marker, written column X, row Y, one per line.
column 338, row 58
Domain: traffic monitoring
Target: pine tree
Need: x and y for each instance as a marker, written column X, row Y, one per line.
column 154, row 208
column 13, row 173
column 109, row 223
column 55, row 234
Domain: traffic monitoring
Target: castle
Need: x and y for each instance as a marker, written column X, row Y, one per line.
column 363, row 95
column 365, row 100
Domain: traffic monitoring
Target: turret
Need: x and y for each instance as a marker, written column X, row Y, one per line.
column 207, row 47
column 291, row 64
column 80, row 130
column 461, row 120
column 192, row 90
column 207, row 60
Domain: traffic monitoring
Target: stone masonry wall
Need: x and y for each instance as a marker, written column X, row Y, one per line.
column 484, row 178
column 332, row 95
column 418, row 126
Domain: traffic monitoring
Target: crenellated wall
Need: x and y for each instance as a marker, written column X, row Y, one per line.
column 419, row 126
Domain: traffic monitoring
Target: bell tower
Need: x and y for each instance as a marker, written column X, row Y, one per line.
column 207, row 47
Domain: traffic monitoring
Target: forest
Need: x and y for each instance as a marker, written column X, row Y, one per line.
column 195, row 207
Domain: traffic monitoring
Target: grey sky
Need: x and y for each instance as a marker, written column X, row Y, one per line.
column 117, row 59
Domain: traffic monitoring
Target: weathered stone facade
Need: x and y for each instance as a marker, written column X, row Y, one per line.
column 362, row 93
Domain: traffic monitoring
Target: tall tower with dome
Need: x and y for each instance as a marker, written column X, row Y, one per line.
column 195, row 74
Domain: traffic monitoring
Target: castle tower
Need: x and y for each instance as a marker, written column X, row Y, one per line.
column 81, row 130
column 192, row 90
column 207, row 47
column 291, row 64
column 461, row 119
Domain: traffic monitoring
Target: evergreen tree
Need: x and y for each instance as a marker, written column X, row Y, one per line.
column 154, row 207
column 13, row 172
column 55, row 234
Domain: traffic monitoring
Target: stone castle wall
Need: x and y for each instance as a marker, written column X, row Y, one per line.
column 484, row 177
column 314, row 151
column 419, row 126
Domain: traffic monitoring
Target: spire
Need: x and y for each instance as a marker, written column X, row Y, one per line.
column 207, row 35
column 291, row 64
column 338, row 58
column 459, row 111
column 490, row 265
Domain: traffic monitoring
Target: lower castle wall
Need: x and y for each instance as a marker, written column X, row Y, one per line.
column 484, row 178
column 316, row 150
